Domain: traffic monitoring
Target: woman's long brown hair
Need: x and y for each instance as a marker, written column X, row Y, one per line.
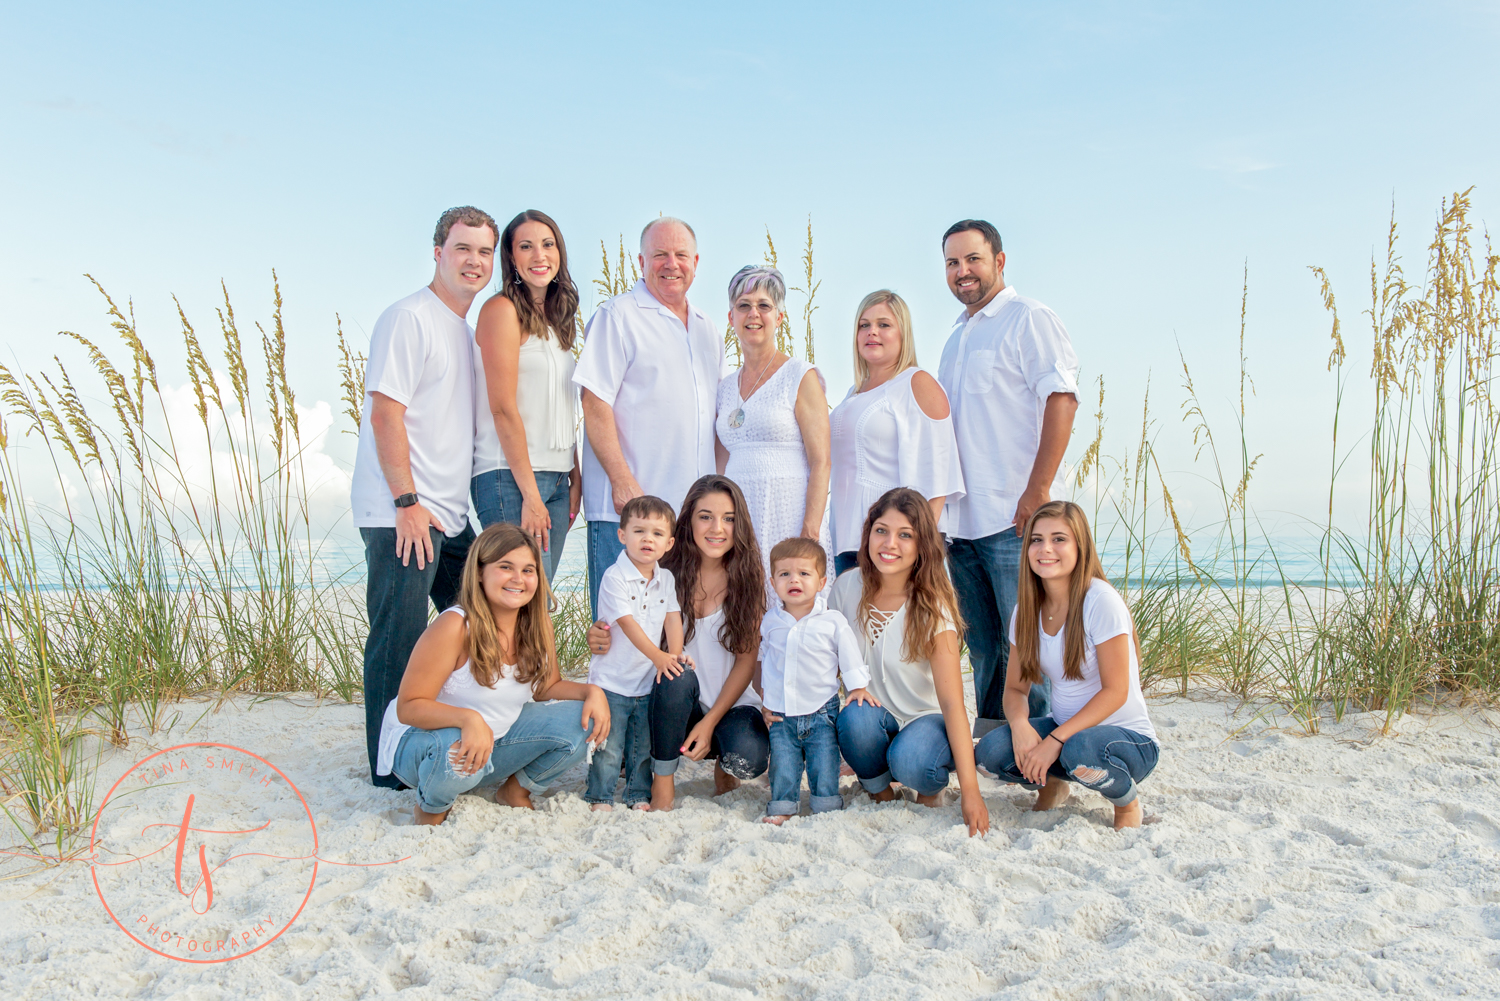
column 532, row 649
column 929, row 593
column 1031, row 594
column 745, row 597
column 561, row 304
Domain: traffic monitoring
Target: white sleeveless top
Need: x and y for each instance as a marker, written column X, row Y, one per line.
column 546, row 399
column 714, row 662
column 498, row 706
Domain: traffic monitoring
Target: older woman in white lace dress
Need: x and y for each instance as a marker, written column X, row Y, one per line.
column 772, row 424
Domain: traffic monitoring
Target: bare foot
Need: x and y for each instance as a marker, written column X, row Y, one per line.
column 884, row 796
column 1051, row 795
column 845, row 769
column 663, row 792
column 513, row 793
column 603, row 807
column 778, row 821
column 723, row 781
column 433, row 819
column 936, row 799
column 643, row 807
column 1128, row 815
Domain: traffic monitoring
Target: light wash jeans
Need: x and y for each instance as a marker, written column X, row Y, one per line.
column 546, row 740
column 1108, row 759
column 809, row 741
column 986, row 574
column 604, row 548
column 497, row 498
column 629, row 741
column 880, row 750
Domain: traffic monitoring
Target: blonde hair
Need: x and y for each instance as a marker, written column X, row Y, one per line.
column 532, row 649
column 908, row 356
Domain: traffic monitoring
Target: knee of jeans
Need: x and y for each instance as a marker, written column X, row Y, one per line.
column 859, row 720
column 995, row 751
column 681, row 689
column 913, row 765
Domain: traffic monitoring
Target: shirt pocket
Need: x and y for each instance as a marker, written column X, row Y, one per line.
column 979, row 372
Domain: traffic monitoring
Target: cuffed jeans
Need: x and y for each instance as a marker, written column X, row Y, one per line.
column 546, row 740
column 880, row 750
column 497, row 498
column 986, row 574
column 628, row 742
column 396, row 599
column 809, row 741
column 604, row 548
column 740, row 742
column 1108, row 759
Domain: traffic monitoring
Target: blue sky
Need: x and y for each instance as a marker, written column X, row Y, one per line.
column 1135, row 158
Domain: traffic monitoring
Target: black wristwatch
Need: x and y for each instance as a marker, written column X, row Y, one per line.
column 406, row 500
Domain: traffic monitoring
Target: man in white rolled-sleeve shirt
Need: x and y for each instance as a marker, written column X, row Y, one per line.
column 1012, row 380
column 649, row 375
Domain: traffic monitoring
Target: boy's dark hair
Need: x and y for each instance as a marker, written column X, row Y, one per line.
column 466, row 214
column 800, row 548
column 647, row 506
column 990, row 233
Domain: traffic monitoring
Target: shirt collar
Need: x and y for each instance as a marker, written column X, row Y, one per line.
column 631, row 571
column 1002, row 297
column 820, row 605
column 645, row 300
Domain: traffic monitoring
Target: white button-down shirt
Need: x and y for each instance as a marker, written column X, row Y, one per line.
column 624, row 590
column 998, row 368
column 801, row 659
column 662, row 380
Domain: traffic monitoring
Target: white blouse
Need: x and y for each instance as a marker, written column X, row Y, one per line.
column 499, row 706
column 881, row 439
column 904, row 688
column 713, row 662
column 546, row 400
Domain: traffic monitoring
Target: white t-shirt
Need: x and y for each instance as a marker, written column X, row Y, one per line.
column 662, row 381
column 998, row 368
column 1104, row 617
column 420, row 356
column 714, row 662
column 623, row 590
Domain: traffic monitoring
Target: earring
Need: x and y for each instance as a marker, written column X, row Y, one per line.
column 518, row 278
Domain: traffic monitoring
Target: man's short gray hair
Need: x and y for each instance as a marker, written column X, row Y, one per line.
column 662, row 221
column 759, row 276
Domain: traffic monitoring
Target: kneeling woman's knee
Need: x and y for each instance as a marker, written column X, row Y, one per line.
column 995, row 751
column 859, row 723
column 681, row 690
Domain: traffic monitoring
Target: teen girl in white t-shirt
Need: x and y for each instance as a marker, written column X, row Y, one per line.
column 1072, row 626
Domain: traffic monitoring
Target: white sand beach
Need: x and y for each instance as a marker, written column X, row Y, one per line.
column 1272, row 865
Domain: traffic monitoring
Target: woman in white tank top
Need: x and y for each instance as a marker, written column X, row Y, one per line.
column 525, row 429
column 473, row 703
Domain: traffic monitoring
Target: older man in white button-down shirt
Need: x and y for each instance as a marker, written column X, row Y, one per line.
column 1012, row 381
column 649, row 375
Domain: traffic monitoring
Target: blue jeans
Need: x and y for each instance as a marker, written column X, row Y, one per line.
column 1108, row 759
column 986, row 574
column 810, row 741
column 546, row 740
column 629, row 741
column 604, row 548
column 497, row 498
column 396, row 600
column 880, row 750
column 739, row 743
column 843, row 562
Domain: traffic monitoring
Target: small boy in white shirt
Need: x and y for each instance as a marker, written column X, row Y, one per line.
column 804, row 649
column 640, row 598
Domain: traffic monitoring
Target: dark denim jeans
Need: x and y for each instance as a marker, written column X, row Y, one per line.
column 629, row 742
column 604, row 548
column 396, row 600
column 843, row 562
column 546, row 740
column 881, row 751
column 497, row 498
column 809, row 741
column 1108, row 759
column 986, row 574
column 740, row 741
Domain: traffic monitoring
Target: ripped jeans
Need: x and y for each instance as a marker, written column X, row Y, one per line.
column 1107, row 759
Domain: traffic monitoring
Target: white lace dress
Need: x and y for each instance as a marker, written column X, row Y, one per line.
column 767, row 459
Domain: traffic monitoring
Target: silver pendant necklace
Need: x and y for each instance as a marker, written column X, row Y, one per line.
column 737, row 416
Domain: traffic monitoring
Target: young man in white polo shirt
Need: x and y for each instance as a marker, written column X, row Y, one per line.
column 410, row 492
column 1012, row 381
column 649, row 375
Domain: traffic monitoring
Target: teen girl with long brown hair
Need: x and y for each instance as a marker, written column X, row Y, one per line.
column 902, row 606
column 474, row 699
column 1073, row 627
column 710, row 710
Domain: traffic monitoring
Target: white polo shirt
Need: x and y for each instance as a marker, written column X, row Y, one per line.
column 662, row 380
column 998, row 368
column 420, row 356
column 623, row 590
column 801, row 660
